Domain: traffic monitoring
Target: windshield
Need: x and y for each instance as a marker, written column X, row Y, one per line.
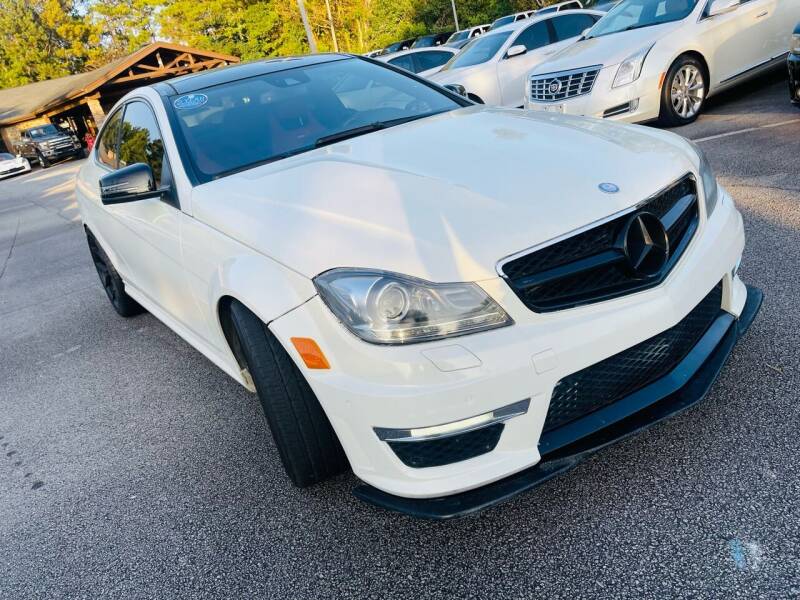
column 425, row 42
column 635, row 14
column 4, row 156
column 43, row 131
column 240, row 124
column 503, row 21
column 458, row 36
column 478, row 51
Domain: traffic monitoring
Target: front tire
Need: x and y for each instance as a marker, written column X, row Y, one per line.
column 112, row 282
column 684, row 92
column 43, row 162
column 308, row 446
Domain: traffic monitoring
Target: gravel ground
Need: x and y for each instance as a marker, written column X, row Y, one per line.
column 130, row 467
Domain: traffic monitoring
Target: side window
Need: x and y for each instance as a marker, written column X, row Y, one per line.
column 570, row 26
column 107, row 145
column 141, row 139
column 431, row 60
column 404, row 62
column 535, row 36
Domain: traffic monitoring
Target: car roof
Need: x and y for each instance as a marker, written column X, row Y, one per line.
column 195, row 81
column 522, row 23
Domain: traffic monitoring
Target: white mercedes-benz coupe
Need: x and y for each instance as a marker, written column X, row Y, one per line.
column 492, row 68
column 428, row 291
column 661, row 59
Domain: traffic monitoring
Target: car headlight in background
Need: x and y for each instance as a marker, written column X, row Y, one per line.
column 709, row 181
column 387, row 308
column 795, row 48
column 630, row 68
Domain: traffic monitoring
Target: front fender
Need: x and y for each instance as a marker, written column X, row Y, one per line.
column 264, row 286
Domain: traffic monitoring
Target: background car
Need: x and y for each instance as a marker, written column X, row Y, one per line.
column 508, row 19
column 568, row 5
column 431, row 40
column 424, row 61
column 662, row 59
column 11, row 165
column 459, row 38
column 493, row 67
column 794, row 67
column 399, row 46
column 48, row 143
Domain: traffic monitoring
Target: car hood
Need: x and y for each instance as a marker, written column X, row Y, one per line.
column 47, row 138
column 606, row 50
column 443, row 198
column 456, row 75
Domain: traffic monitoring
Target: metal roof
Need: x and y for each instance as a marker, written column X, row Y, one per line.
column 29, row 101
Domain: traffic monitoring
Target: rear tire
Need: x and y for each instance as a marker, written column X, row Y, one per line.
column 308, row 446
column 112, row 282
column 684, row 92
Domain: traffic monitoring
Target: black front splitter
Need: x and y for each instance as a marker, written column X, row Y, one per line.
column 684, row 387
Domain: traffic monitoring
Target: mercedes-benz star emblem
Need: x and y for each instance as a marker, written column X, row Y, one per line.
column 608, row 188
column 555, row 86
column 645, row 243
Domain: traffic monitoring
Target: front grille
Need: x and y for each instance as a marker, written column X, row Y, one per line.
column 592, row 266
column 554, row 87
column 447, row 450
column 618, row 376
column 58, row 144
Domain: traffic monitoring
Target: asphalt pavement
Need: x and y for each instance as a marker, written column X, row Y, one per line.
column 131, row 467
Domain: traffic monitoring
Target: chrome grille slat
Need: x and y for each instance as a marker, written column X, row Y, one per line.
column 571, row 84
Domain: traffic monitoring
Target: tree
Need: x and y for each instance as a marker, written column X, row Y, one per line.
column 42, row 39
column 123, row 26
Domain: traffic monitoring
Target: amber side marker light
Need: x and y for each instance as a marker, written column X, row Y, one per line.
column 310, row 353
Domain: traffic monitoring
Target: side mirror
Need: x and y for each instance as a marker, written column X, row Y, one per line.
column 585, row 32
column 129, row 184
column 721, row 7
column 517, row 50
column 457, row 89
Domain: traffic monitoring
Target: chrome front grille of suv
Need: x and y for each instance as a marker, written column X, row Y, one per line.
column 554, row 87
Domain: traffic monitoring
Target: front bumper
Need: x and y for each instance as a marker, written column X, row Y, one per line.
column 426, row 385
column 794, row 77
column 637, row 102
column 23, row 168
column 684, row 387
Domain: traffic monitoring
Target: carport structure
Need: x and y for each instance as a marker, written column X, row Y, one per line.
column 80, row 102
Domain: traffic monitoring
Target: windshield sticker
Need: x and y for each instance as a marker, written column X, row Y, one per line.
column 190, row 101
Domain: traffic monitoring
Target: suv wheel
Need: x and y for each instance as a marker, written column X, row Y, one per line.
column 308, row 446
column 43, row 162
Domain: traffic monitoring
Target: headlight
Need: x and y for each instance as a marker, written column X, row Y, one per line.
column 387, row 308
column 630, row 68
column 709, row 182
column 796, row 43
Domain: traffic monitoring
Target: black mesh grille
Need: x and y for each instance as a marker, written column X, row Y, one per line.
column 444, row 451
column 620, row 375
column 591, row 266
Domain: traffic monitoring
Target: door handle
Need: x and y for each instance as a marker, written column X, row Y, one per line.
column 762, row 15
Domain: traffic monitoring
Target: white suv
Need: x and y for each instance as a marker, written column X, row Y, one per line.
column 661, row 59
column 426, row 290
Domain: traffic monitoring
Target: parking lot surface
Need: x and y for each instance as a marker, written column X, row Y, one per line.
column 131, row 467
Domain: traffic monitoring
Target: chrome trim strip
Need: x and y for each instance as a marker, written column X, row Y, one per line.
column 503, row 261
column 497, row 416
column 539, row 76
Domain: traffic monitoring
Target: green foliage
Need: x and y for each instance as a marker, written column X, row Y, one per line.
column 42, row 39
